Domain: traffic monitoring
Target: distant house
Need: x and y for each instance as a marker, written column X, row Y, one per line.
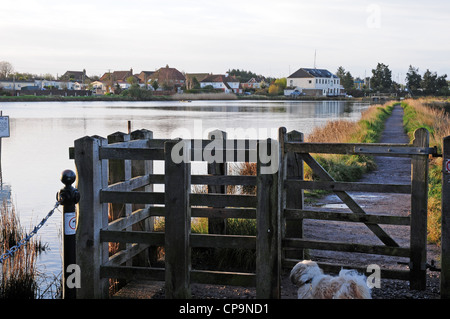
column 228, row 84
column 145, row 77
column 168, row 78
column 252, row 84
column 191, row 76
column 314, row 82
column 74, row 76
column 98, row 87
column 110, row 80
column 15, row 85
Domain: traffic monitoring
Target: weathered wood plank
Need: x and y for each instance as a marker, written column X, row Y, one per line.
column 349, row 186
column 129, row 185
column 403, row 150
column 177, row 223
column 348, row 247
column 143, row 168
column 419, row 208
column 268, row 249
column 346, row 217
column 132, row 197
column 144, row 237
column 92, row 216
column 320, row 171
column 445, row 221
column 119, row 153
column 294, row 192
column 123, row 256
column 217, row 225
column 127, row 221
column 132, row 143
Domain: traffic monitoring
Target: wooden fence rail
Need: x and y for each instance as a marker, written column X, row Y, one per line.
column 119, row 204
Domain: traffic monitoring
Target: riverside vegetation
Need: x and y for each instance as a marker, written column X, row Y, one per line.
column 431, row 114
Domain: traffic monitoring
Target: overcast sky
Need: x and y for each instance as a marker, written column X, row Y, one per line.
column 272, row 38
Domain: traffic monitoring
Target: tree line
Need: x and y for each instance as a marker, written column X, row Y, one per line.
column 430, row 83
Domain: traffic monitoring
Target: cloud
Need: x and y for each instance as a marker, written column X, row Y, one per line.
column 212, row 36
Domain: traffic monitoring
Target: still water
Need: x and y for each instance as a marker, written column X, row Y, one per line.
column 41, row 133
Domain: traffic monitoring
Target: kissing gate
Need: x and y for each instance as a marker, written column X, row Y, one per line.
column 116, row 176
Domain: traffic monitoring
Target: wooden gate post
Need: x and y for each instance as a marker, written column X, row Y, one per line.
column 92, row 217
column 217, row 225
column 268, row 243
column 177, row 219
column 142, row 168
column 119, row 171
column 445, row 221
column 294, row 194
column 419, row 208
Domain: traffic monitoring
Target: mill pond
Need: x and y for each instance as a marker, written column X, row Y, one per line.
column 41, row 133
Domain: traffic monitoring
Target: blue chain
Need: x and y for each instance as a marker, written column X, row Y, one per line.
column 22, row 242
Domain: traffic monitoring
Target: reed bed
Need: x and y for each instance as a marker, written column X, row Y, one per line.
column 367, row 130
column 19, row 273
column 419, row 114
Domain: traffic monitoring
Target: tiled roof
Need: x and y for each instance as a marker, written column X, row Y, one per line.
column 220, row 78
column 312, row 73
column 166, row 73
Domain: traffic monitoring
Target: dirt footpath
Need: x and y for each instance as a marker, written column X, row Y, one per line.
column 392, row 170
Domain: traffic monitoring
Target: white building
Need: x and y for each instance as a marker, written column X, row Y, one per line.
column 228, row 84
column 314, row 82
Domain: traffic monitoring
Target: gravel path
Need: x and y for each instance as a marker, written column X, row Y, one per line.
column 393, row 170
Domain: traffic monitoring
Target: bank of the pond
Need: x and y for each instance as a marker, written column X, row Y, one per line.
column 421, row 113
column 176, row 97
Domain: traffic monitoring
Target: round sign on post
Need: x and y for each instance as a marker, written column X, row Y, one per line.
column 447, row 165
column 70, row 223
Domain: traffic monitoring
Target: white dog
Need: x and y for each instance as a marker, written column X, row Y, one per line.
column 315, row 285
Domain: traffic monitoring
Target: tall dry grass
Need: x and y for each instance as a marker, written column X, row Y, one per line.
column 19, row 273
column 418, row 114
column 367, row 129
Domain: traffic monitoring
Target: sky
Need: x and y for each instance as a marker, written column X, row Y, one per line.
column 271, row 38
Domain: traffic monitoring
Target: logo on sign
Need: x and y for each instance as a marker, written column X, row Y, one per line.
column 70, row 223
column 447, row 165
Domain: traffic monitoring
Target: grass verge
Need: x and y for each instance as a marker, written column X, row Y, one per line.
column 418, row 114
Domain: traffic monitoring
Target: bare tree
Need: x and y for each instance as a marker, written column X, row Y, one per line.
column 6, row 69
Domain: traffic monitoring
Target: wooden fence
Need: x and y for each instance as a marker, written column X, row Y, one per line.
column 121, row 173
column 116, row 176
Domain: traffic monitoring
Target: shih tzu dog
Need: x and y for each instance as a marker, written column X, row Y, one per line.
column 313, row 284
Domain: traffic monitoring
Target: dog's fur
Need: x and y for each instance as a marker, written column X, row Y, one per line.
column 315, row 285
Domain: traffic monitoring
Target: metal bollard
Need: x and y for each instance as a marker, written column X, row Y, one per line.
column 68, row 197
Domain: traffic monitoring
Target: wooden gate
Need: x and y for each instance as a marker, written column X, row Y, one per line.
column 294, row 152
column 105, row 188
